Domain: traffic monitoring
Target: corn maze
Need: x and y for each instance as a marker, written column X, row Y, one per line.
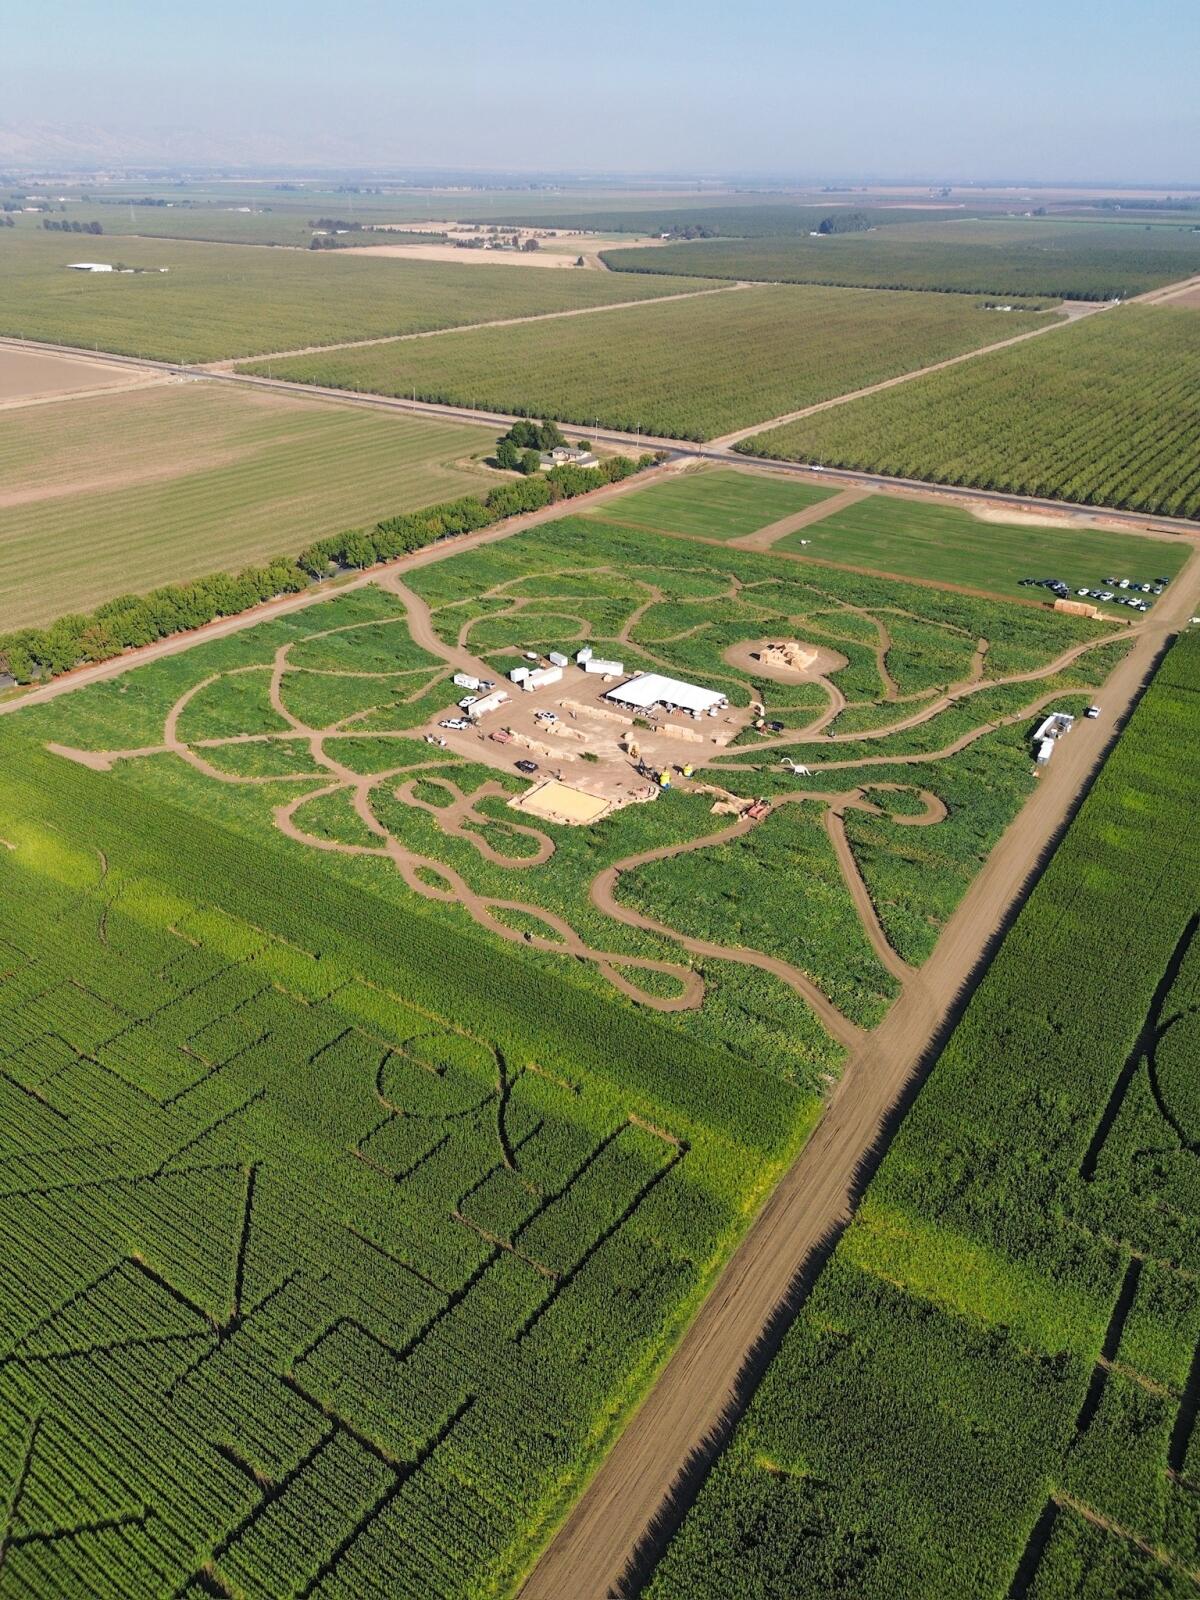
column 363, row 1148
column 302, row 1279
column 994, row 1387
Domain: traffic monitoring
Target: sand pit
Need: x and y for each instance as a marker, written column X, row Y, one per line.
column 560, row 802
column 1021, row 519
column 784, row 660
column 29, row 375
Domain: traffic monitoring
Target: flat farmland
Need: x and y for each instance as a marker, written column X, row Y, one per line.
column 1107, row 412
column 254, row 221
column 366, row 1149
column 686, row 369
column 189, row 478
column 1068, row 260
column 917, row 539
column 27, row 375
column 716, row 504
column 218, row 301
column 991, row 1390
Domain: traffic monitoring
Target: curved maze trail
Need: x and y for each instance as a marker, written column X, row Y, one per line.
column 461, row 818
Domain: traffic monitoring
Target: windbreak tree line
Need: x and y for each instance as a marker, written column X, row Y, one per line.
column 132, row 620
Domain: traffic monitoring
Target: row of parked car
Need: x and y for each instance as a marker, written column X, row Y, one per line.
column 1108, row 595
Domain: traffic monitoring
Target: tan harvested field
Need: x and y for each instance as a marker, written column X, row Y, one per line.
column 168, row 483
column 469, row 258
column 561, row 251
column 1188, row 295
column 28, row 375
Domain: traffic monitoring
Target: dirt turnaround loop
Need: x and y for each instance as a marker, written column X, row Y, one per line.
column 785, row 661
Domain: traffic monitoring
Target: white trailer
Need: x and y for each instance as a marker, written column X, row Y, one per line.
column 607, row 669
column 518, row 675
column 488, row 702
column 542, row 678
column 582, row 657
column 557, row 659
column 465, row 680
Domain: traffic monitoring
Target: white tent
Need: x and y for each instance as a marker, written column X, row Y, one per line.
column 653, row 689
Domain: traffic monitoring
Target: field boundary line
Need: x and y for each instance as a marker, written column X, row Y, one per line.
column 1064, row 319
column 441, row 550
column 228, row 363
column 1148, row 523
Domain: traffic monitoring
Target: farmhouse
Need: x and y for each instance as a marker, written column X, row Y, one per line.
column 653, row 689
column 567, row 455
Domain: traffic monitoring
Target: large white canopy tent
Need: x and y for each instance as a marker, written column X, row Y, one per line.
column 653, row 689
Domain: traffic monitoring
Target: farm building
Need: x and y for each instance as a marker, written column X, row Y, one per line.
column 567, row 455
column 90, row 266
column 653, row 689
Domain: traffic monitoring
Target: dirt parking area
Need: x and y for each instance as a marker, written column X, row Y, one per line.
column 27, row 376
column 577, row 739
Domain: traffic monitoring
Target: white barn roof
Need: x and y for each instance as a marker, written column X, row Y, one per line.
column 652, row 689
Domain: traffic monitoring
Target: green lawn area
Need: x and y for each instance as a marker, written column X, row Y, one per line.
column 169, row 483
column 217, row 301
column 717, row 505
column 916, row 539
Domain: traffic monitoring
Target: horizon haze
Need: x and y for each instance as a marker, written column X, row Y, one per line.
column 791, row 94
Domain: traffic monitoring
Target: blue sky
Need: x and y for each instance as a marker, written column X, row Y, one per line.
column 1065, row 89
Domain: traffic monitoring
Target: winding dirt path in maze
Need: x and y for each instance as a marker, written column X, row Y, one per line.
column 603, row 895
column 649, row 1477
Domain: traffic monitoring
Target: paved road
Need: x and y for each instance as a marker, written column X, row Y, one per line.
column 726, row 456
column 644, row 1482
column 442, row 551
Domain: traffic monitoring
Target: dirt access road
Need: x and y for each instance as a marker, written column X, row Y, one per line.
column 642, row 1489
column 681, row 449
column 444, row 550
column 1071, row 311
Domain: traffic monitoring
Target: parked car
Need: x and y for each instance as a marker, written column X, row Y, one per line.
column 467, row 700
column 1092, row 713
column 527, row 766
column 458, row 724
